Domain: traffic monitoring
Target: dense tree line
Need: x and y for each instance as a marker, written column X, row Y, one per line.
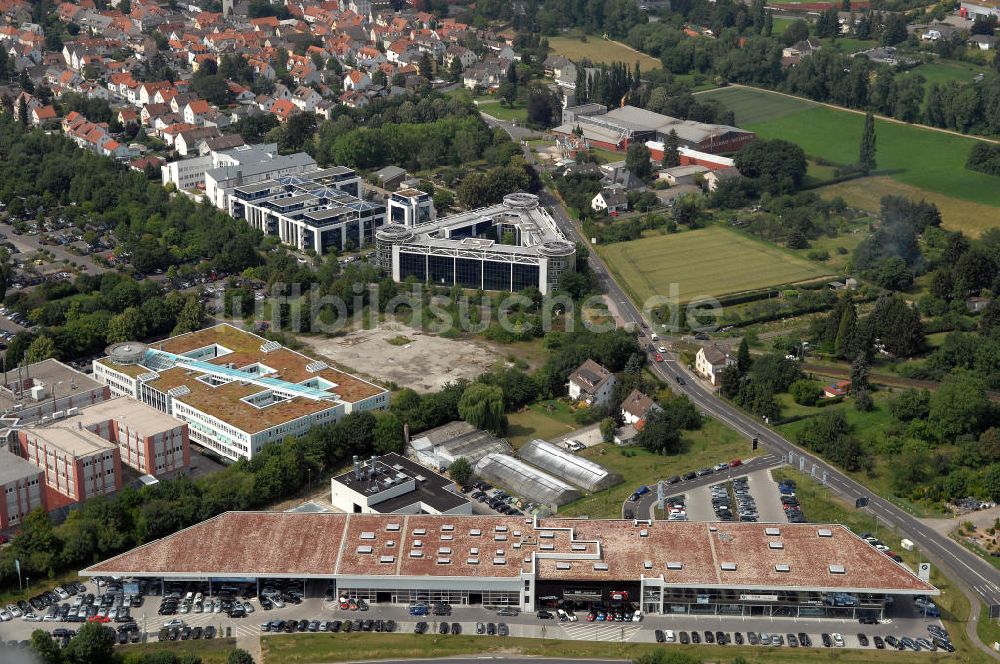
column 985, row 158
column 891, row 256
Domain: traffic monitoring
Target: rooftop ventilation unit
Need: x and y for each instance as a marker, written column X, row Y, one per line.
column 318, row 365
column 447, row 528
column 782, row 567
column 775, row 545
column 547, row 534
column 392, row 527
column 269, row 346
column 444, row 561
column 772, row 532
column 499, row 561
column 563, row 566
column 387, row 559
column 837, row 569
column 600, row 567
column 179, row 391
column 368, row 535
column 647, row 564
column 416, row 554
column 824, row 532
column 472, row 561
column 364, row 549
column 728, row 567
column 475, row 532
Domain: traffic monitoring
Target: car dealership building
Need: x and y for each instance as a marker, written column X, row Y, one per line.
column 661, row 567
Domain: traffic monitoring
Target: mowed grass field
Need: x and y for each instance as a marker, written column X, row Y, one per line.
column 928, row 160
column 601, row 50
column 707, row 262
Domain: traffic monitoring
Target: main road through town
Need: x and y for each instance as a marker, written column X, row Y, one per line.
column 955, row 560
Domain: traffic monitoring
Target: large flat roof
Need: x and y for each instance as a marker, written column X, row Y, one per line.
column 69, row 436
column 137, row 415
column 242, row 349
column 431, row 488
column 51, row 372
column 684, row 554
column 13, row 468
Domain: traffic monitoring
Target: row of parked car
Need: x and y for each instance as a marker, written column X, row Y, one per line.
column 332, row 626
column 497, row 499
column 937, row 639
column 880, row 545
column 177, row 630
column 789, row 502
column 717, row 468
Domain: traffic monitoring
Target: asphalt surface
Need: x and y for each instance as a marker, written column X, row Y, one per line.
column 951, row 557
column 645, row 507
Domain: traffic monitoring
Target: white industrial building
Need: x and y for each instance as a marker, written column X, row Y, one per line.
column 392, row 484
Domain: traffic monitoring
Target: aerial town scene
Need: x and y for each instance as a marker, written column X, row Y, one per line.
column 634, row 331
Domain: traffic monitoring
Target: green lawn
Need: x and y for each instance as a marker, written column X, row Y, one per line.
column 708, row 446
column 546, row 420
column 707, row 262
column 518, row 112
column 212, row 651
column 362, row 646
column 921, row 158
column 602, row 51
column 942, row 71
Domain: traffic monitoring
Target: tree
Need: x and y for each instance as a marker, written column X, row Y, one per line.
column 959, row 405
column 45, row 647
column 443, row 200
column 796, row 31
column 866, row 158
column 129, row 325
column 22, row 112
column 542, row 108
column 894, row 29
column 239, row 656
column 607, row 427
column 805, row 392
column 637, row 161
column 93, row 643
column 911, row 405
column 42, row 348
column 846, row 330
column 482, row 406
column 743, row 360
column 460, row 470
column 777, row 166
column 660, row 434
column 191, row 316
column 671, row 150
column 426, row 65
column 388, row 434
column 455, row 70
column 860, row 386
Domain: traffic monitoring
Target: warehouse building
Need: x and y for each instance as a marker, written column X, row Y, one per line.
column 565, row 465
column 33, row 391
column 618, row 128
column 661, row 567
column 392, row 484
column 438, row 448
column 467, row 249
column 525, row 480
column 236, row 391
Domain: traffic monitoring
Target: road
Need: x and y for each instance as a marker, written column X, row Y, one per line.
column 951, row 557
column 645, row 506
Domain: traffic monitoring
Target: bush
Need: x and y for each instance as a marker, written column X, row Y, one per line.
column 985, row 158
column 805, row 392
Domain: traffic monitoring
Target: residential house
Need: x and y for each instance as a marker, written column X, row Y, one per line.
column 711, row 360
column 187, row 141
column 195, row 111
column 714, row 178
column 682, row 174
column 41, row 115
column 612, row 200
column 801, row 49
column 839, row 389
column 984, row 42
column 356, row 80
column 305, row 99
column 637, row 407
column 591, row 383
column 283, row 109
column 467, row 57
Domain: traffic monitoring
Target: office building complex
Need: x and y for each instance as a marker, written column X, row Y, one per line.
column 467, row 249
column 236, row 391
column 317, row 209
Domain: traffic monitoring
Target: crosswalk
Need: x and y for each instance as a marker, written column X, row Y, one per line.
column 597, row 631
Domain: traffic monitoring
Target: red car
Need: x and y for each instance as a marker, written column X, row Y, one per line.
column 658, row 357
column 591, row 616
column 735, row 462
column 98, row 619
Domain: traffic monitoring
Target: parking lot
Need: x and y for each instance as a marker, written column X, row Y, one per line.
column 321, row 614
column 750, row 497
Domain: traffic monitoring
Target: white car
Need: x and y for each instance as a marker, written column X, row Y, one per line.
column 176, row 622
column 662, row 349
column 13, row 610
column 668, row 636
column 637, row 616
column 5, row 615
column 59, row 590
column 838, row 640
column 31, row 617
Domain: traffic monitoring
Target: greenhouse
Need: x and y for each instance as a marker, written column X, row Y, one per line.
column 568, row 466
column 524, row 480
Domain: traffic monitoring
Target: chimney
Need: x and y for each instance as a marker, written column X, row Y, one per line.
column 371, row 467
column 357, row 468
column 406, row 432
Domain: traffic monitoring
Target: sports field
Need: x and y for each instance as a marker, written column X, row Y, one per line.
column 921, row 158
column 707, row 262
column 601, row 50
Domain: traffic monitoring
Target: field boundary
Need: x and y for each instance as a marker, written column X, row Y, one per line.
column 835, row 107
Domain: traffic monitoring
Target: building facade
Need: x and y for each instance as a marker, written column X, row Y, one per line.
column 469, row 249
column 21, row 489
column 237, row 391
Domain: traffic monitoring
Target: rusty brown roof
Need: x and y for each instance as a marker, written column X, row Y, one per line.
column 683, row 553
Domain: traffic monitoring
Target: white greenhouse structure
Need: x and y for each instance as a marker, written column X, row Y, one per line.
column 524, row 480
column 567, row 466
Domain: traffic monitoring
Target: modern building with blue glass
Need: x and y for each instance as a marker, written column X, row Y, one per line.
column 505, row 247
column 319, row 209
